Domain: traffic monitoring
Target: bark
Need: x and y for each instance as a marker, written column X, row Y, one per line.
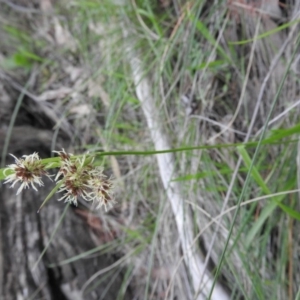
column 24, row 233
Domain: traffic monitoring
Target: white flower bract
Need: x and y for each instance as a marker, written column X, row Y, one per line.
column 27, row 170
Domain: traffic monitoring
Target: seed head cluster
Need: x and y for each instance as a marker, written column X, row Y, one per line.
column 27, row 170
column 77, row 178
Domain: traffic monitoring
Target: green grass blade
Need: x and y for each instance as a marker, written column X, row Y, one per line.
column 267, row 33
column 209, row 37
column 52, row 236
column 267, row 210
column 53, row 191
column 247, row 180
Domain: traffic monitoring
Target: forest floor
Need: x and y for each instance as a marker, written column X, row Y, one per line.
column 214, row 82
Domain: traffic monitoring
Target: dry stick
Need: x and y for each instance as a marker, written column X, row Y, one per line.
column 167, row 170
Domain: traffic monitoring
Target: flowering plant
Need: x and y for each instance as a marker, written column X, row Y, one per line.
column 77, row 178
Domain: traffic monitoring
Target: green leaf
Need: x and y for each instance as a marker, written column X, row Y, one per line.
column 283, row 133
column 29, row 55
column 291, row 212
column 17, row 33
column 53, row 191
column 216, row 64
column 270, row 207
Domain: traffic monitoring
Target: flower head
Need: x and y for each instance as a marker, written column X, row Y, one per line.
column 27, row 170
column 75, row 173
column 77, row 177
column 81, row 179
column 102, row 188
column 65, row 163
